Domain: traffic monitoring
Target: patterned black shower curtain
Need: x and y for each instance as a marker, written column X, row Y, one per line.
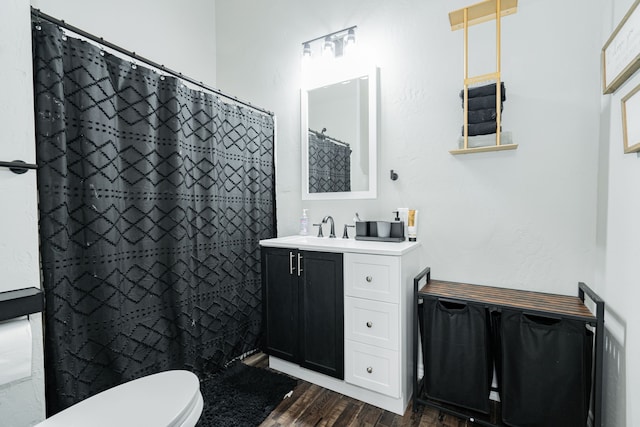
column 152, row 199
column 329, row 165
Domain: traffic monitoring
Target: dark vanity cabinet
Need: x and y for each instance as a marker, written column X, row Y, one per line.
column 303, row 308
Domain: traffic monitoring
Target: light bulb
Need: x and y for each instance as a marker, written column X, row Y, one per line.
column 349, row 43
column 328, row 47
column 350, row 39
column 306, row 51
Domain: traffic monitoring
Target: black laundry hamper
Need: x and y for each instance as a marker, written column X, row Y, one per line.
column 456, row 354
column 544, row 370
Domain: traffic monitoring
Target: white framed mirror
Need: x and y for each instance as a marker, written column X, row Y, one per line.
column 339, row 134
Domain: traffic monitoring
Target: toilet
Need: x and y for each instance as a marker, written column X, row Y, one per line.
column 166, row 399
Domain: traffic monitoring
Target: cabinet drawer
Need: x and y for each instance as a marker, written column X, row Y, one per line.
column 372, row 276
column 372, row 322
column 373, row 368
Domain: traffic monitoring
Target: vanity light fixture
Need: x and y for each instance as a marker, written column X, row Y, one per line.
column 333, row 44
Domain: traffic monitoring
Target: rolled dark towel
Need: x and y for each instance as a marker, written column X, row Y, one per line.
column 481, row 128
column 485, row 90
column 482, row 102
column 480, row 116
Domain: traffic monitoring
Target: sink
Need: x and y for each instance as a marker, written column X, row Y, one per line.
column 317, row 241
column 326, row 244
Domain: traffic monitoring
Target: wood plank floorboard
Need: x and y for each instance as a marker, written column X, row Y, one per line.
column 314, row 406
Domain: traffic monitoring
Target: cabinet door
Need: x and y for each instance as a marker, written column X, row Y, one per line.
column 321, row 313
column 280, row 302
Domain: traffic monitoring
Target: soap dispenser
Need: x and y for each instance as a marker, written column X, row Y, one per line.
column 304, row 223
column 403, row 213
column 397, row 226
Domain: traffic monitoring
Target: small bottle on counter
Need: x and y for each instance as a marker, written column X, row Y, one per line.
column 304, row 223
column 412, row 225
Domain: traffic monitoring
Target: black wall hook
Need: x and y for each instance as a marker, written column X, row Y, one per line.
column 393, row 175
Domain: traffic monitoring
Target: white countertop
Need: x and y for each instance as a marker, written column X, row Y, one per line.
column 326, row 244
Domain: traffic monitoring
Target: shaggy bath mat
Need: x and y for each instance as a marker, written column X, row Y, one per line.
column 242, row 395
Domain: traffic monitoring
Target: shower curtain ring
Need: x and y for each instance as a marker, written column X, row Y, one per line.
column 38, row 21
column 102, row 52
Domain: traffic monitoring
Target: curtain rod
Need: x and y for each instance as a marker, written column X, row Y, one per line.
column 60, row 23
column 328, row 138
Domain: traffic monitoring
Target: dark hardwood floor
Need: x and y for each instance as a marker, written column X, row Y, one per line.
column 311, row 405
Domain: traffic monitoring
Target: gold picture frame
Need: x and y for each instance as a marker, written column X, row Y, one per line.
column 621, row 53
column 631, row 120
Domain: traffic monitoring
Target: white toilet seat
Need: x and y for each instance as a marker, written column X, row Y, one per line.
column 166, row 399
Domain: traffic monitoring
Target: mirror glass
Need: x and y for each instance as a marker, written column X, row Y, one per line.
column 339, row 138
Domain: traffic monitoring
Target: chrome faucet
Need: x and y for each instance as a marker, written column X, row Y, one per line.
column 332, row 233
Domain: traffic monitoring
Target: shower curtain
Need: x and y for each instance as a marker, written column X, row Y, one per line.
column 329, row 165
column 152, row 199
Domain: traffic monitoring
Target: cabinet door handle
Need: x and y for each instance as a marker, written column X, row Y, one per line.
column 369, row 369
column 299, row 263
column 369, row 324
column 291, row 257
column 369, row 279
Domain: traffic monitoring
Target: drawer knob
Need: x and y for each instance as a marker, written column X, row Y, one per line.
column 369, row 369
column 369, row 279
column 369, row 324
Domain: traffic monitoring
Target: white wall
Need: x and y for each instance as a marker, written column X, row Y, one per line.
column 22, row 401
column 177, row 34
column 619, row 248
column 523, row 218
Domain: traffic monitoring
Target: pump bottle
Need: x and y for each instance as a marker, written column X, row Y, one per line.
column 304, row 223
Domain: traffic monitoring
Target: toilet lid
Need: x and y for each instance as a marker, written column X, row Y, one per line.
column 163, row 399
